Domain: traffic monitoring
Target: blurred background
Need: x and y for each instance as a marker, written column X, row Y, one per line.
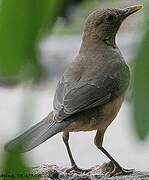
column 36, row 47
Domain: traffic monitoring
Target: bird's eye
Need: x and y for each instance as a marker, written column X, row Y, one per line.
column 110, row 18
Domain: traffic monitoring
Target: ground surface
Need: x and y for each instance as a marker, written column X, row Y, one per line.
column 53, row 172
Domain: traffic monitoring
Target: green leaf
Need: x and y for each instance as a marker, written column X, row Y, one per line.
column 141, row 88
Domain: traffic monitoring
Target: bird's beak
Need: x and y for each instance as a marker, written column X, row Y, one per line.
column 130, row 10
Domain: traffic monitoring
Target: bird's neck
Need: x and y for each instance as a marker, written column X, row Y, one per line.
column 92, row 41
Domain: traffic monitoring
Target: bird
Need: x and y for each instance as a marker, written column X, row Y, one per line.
column 90, row 92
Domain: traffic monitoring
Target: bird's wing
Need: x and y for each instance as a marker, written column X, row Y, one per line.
column 84, row 95
column 73, row 97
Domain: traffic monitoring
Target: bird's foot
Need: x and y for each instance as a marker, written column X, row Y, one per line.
column 111, row 170
column 78, row 170
column 119, row 172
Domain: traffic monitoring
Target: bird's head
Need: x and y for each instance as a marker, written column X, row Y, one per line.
column 104, row 24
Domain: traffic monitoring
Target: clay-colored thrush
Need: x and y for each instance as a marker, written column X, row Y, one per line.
column 91, row 91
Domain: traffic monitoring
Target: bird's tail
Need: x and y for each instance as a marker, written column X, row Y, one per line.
column 36, row 135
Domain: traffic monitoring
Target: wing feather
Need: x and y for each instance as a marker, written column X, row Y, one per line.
column 80, row 97
column 74, row 96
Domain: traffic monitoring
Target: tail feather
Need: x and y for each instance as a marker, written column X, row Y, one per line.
column 36, row 135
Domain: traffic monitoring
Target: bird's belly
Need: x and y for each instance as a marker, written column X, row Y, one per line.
column 110, row 111
column 97, row 118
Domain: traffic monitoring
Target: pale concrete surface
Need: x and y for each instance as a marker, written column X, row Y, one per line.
column 46, row 172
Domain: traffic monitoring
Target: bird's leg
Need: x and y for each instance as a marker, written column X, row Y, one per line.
column 117, row 169
column 73, row 164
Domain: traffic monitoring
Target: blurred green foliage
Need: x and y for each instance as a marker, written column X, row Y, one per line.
column 21, row 24
column 15, row 167
column 141, row 87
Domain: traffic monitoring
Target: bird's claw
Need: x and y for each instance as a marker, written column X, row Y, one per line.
column 119, row 171
column 78, row 170
column 109, row 169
